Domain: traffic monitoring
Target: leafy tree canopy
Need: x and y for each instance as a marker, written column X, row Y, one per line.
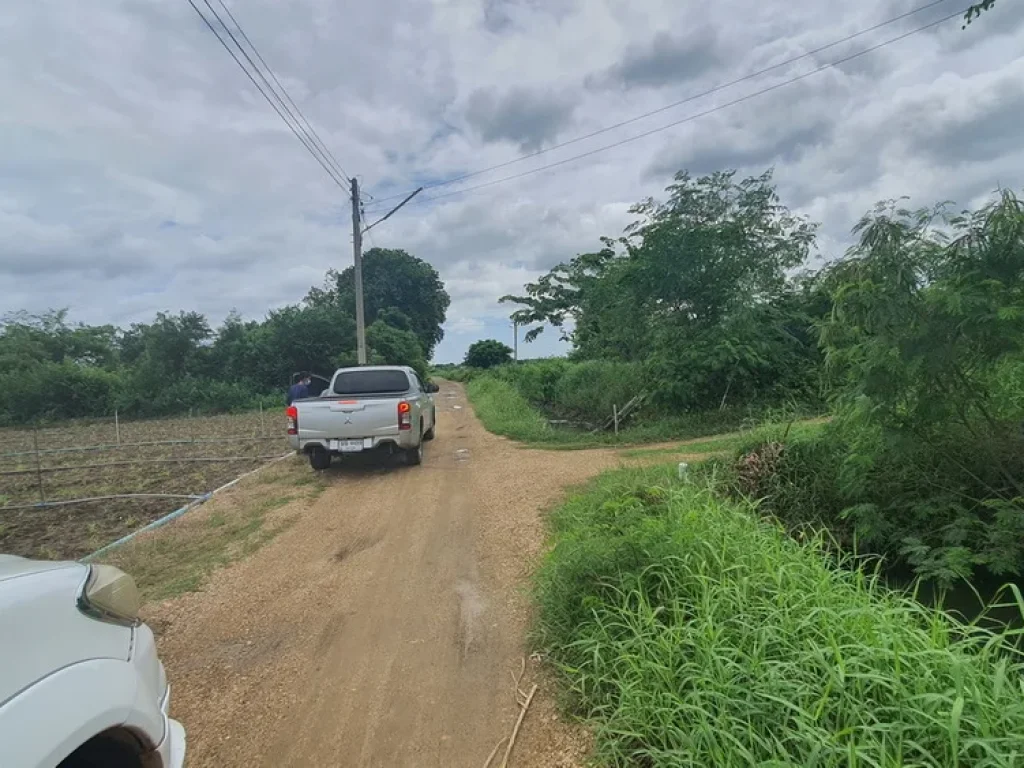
column 699, row 287
column 487, row 353
column 52, row 369
column 976, row 9
column 393, row 280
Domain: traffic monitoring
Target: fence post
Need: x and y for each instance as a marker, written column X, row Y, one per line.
column 263, row 429
column 39, row 466
column 117, row 428
column 615, row 418
column 191, row 427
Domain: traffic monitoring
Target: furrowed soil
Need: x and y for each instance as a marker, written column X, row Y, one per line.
column 84, row 459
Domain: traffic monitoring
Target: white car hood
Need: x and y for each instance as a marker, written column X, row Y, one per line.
column 12, row 566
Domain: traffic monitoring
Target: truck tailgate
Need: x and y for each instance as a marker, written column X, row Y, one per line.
column 347, row 417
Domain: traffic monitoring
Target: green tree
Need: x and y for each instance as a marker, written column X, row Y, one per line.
column 487, row 353
column 50, row 368
column 169, row 347
column 922, row 331
column 393, row 280
column 976, row 9
column 27, row 338
column 388, row 345
column 698, row 288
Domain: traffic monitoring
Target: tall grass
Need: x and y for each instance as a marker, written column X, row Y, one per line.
column 505, row 411
column 691, row 632
column 768, row 430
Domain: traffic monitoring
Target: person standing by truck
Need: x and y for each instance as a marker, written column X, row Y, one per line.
column 299, row 389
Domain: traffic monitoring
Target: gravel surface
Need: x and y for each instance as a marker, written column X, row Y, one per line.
column 384, row 626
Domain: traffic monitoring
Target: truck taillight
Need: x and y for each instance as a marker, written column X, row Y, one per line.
column 404, row 415
column 293, row 419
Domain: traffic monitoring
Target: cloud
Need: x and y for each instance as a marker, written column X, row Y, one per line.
column 528, row 118
column 752, row 151
column 142, row 172
column 666, row 59
column 957, row 122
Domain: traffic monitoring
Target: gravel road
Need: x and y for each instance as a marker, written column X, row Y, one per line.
column 383, row 628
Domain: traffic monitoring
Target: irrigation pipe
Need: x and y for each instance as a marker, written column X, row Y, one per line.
column 181, row 460
column 65, row 502
column 115, row 446
column 181, row 511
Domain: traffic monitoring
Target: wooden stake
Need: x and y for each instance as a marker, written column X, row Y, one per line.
column 39, row 466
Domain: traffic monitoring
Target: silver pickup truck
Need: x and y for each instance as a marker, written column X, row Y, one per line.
column 384, row 408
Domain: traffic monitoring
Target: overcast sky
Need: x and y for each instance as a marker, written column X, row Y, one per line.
column 141, row 171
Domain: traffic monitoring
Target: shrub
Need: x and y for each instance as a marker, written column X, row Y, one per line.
column 536, row 380
column 584, row 390
column 587, row 390
column 52, row 391
column 925, row 502
column 692, row 632
column 487, row 353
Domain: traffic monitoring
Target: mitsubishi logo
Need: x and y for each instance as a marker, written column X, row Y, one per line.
column 348, row 418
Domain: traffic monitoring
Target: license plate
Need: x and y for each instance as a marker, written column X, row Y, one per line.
column 347, row 446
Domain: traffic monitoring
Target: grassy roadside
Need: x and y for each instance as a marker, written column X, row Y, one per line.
column 733, row 442
column 689, row 631
column 504, row 411
column 180, row 556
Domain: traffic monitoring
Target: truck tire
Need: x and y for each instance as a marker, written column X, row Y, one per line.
column 103, row 752
column 429, row 434
column 414, row 456
column 319, row 458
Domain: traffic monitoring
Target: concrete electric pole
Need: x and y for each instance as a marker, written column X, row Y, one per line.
column 357, row 255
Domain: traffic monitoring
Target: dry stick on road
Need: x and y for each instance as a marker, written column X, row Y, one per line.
column 519, row 722
column 494, row 751
column 519, row 694
column 523, row 700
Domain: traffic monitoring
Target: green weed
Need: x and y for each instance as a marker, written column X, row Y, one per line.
column 690, row 632
column 504, row 411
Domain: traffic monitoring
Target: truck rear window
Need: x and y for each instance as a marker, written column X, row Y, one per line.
column 371, row 383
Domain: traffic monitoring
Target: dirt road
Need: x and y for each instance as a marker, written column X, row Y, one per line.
column 383, row 627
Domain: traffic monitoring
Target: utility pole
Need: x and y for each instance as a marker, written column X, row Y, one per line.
column 515, row 341
column 357, row 255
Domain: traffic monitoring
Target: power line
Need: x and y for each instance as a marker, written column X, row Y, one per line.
column 298, row 135
column 309, row 128
column 308, row 142
column 747, row 97
column 688, row 99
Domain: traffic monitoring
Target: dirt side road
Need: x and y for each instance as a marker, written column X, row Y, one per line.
column 383, row 628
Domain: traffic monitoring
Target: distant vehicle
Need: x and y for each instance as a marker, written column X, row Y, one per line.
column 371, row 408
column 80, row 682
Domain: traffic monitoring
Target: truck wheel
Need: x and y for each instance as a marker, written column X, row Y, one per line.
column 429, row 434
column 414, row 456
column 319, row 459
column 102, row 752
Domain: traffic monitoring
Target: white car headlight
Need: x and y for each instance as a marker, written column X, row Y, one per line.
column 110, row 594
